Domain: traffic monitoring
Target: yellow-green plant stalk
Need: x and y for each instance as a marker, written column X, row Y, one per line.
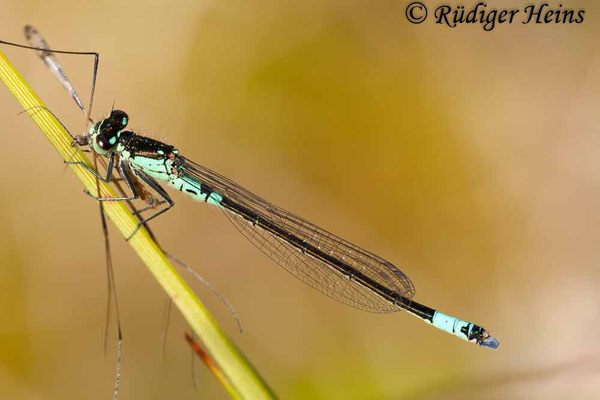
column 245, row 381
column 210, row 364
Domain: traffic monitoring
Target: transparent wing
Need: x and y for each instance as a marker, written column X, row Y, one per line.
column 289, row 251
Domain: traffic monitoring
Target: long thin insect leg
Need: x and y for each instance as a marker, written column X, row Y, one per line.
column 181, row 263
column 152, row 207
column 112, row 294
column 109, row 291
column 85, row 53
column 94, row 77
column 125, row 173
column 203, row 281
column 160, row 191
column 112, row 291
column 109, row 168
column 195, row 274
column 119, row 354
column 166, row 320
column 169, row 302
column 46, row 55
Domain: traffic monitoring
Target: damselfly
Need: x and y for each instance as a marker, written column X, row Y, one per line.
column 328, row 263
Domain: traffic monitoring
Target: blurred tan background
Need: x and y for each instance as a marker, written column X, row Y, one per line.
column 467, row 158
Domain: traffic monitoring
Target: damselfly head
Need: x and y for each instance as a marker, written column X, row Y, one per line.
column 105, row 134
column 116, row 121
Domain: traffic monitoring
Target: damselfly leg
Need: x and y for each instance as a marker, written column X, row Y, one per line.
column 39, row 44
column 112, row 292
column 127, row 176
column 153, row 203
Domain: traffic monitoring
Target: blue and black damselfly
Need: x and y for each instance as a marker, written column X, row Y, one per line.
column 328, row 263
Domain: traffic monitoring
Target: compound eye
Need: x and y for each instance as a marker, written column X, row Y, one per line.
column 103, row 143
column 118, row 119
